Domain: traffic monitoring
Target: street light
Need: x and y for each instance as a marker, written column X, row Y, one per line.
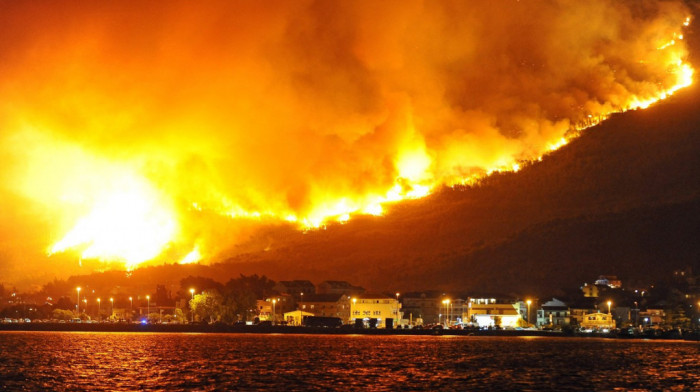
column 148, row 308
column 352, row 309
column 273, row 310
column 111, row 311
column 131, row 308
column 529, row 301
column 609, row 303
column 448, row 312
column 77, row 304
column 397, row 310
column 192, row 292
column 99, row 309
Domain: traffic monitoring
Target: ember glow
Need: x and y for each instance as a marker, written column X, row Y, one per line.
column 129, row 129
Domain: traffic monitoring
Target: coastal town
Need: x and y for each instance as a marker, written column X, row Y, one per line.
column 604, row 305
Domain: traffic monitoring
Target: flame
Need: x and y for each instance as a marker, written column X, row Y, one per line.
column 305, row 114
column 128, row 224
column 192, row 257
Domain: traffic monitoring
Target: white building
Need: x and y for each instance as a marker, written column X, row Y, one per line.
column 488, row 312
column 370, row 307
column 553, row 313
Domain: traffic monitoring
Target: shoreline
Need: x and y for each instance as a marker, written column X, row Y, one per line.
column 302, row 330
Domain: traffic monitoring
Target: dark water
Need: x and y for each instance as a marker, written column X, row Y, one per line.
column 140, row 361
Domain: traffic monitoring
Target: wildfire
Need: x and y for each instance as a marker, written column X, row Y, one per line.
column 137, row 139
column 128, row 224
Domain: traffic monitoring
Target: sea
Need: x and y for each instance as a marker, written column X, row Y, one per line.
column 108, row 361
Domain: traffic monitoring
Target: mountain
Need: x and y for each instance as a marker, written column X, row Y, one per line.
column 621, row 199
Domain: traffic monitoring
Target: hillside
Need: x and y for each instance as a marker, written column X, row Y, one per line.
column 621, row 199
column 637, row 167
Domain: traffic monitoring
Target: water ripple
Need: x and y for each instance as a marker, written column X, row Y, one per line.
column 70, row 361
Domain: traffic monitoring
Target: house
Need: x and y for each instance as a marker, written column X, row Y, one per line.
column 327, row 305
column 492, row 312
column 424, row 307
column 598, row 322
column 338, row 287
column 273, row 308
column 295, row 317
column 582, row 307
column 553, row 313
column 374, row 309
column 608, row 280
column 295, row 288
column 652, row 316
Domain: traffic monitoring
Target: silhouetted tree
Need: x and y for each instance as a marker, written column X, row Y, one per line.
column 199, row 284
column 65, row 303
column 240, row 294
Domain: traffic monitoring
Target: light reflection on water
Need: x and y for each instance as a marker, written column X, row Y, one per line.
column 143, row 361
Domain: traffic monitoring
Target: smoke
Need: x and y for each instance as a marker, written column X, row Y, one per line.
column 296, row 110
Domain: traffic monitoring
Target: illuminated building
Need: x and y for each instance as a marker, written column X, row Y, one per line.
column 490, row 312
column 598, row 322
column 295, row 317
column 371, row 308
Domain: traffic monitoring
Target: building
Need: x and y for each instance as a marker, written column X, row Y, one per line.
column 610, row 281
column 374, row 309
column 338, row 287
column 295, row 288
column 424, row 307
column 327, row 305
column 273, row 308
column 598, row 322
column 296, row 317
column 582, row 307
column 492, row 312
column 652, row 316
column 553, row 313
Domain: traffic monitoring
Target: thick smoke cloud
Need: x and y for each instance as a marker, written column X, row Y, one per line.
column 297, row 109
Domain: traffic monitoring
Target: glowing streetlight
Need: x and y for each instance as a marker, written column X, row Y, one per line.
column 111, row 312
column 352, row 308
column 131, row 307
column 273, row 310
column 397, row 308
column 448, row 312
column 77, row 304
column 609, row 303
column 148, row 308
column 99, row 309
column 192, row 292
column 529, row 301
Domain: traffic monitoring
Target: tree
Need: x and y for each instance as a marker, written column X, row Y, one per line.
column 240, row 294
column 207, row 305
column 65, row 303
column 62, row 314
column 199, row 283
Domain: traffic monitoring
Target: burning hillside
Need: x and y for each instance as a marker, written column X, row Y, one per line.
column 135, row 132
